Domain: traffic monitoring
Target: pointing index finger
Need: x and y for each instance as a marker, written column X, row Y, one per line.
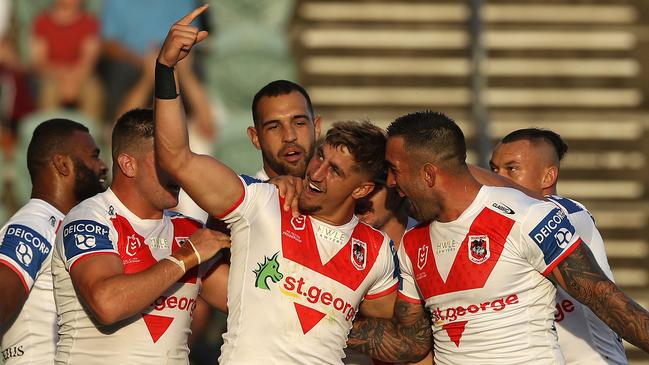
column 187, row 19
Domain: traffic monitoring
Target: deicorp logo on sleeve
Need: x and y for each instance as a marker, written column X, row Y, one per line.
column 85, row 236
column 26, row 247
column 553, row 234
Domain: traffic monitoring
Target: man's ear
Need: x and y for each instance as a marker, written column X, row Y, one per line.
column 316, row 126
column 550, row 177
column 127, row 165
column 254, row 137
column 363, row 190
column 63, row 164
column 429, row 172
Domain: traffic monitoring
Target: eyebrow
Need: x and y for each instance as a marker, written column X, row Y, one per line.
column 296, row 116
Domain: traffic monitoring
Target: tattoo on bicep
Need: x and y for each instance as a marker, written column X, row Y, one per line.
column 407, row 337
column 580, row 275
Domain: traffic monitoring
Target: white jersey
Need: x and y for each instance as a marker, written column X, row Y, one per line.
column 158, row 335
column 26, row 248
column 482, row 277
column 296, row 284
column 583, row 337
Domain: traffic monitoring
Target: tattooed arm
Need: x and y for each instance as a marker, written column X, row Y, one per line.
column 580, row 275
column 406, row 337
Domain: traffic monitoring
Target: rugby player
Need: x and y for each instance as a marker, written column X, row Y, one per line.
column 295, row 283
column 126, row 271
column 531, row 157
column 486, row 266
column 65, row 168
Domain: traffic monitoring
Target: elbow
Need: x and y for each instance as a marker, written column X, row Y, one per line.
column 104, row 307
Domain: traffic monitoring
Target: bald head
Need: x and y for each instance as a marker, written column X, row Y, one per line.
column 531, row 158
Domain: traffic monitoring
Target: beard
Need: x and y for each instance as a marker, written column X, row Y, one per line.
column 86, row 181
column 306, row 209
column 284, row 168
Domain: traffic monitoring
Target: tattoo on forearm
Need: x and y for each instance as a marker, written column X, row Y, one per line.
column 580, row 275
column 407, row 337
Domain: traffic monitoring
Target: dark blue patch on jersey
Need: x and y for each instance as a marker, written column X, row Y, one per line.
column 84, row 236
column 397, row 269
column 569, row 205
column 249, row 180
column 553, row 234
column 25, row 247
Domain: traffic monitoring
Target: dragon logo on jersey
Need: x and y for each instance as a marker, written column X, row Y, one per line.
column 269, row 269
column 359, row 248
column 132, row 245
column 422, row 256
column 479, row 249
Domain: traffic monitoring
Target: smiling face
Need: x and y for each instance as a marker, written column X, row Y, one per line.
column 285, row 133
column 333, row 180
column 406, row 177
column 89, row 170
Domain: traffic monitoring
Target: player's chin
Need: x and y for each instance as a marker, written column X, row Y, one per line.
column 305, row 206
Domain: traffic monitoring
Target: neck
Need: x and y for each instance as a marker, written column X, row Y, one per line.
column 134, row 200
column 341, row 215
column 552, row 190
column 61, row 198
column 395, row 229
column 456, row 195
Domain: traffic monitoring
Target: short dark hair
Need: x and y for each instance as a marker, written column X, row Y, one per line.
column 433, row 133
column 49, row 138
column 276, row 88
column 365, row 142
column 131, row 129
column 536, row 135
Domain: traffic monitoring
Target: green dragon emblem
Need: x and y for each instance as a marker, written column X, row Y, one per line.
column 268, row 269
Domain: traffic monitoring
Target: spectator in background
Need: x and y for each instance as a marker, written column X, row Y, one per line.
column 130, row 48
column 15, row 99
column 65, row 48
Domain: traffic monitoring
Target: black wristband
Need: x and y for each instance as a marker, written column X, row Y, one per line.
column 165, row 83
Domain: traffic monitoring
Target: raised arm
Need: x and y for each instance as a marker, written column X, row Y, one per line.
column 406, row 337
column 211, row 184
column 580, row 275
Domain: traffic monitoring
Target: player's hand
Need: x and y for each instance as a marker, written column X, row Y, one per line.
column 181, row 38
column 207, row 243
column 290, row 188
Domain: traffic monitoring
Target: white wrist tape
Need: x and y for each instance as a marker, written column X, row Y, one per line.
column 198, row 256
column 180, row 263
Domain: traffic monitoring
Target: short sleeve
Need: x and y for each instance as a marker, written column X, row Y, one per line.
column 256, row 194
column 26, row 251
column 388, row 277
column 407, row 288
column 84, row 233
column 549, row 236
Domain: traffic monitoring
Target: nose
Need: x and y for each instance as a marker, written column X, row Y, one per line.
column 102, row 166
column 319, row 171
column 289, row 134
column 391, row 181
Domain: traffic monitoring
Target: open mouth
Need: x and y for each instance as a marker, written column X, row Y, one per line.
column 173, row 188
column 314, row 188
column 292, row 154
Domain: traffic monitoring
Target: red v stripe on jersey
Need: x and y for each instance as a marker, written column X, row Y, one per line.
column 157, row 325
column 455, row 331
column 464, row 274
column 299, row 245
column 135, row 254
column 308, row 317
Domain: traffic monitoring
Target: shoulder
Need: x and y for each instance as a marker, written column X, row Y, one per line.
column 37, row 216
column 568, row 205
column 512, row 203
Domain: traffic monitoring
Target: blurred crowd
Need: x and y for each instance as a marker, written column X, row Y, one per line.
column 90, row 61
